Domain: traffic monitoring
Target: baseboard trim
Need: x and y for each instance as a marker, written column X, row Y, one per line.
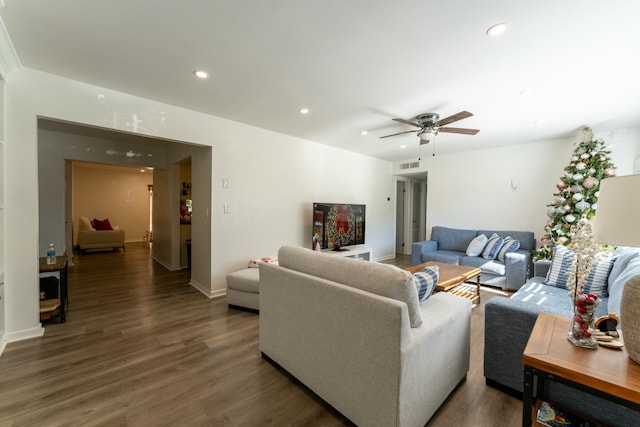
column 25, row 334
column 206, row 291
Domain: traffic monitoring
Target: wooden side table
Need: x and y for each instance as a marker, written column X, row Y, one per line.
column 606, row 373
column 61, row 267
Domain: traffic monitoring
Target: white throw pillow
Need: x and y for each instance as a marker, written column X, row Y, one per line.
column 84, row 224
column 476, row 246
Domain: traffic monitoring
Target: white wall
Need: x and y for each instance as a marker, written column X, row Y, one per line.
column 473, row 189
column 273, row 179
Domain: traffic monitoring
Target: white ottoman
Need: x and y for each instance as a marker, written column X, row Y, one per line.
column 242, row 289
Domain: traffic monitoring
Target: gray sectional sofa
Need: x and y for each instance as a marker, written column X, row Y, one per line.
column 449, row 245
column 355, row 333
column 509, row 321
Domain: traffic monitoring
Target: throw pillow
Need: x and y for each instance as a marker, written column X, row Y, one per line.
column 476, row 246
column 426, row 281
column 255, row 263
column 493, row 247
column 562, row 262
column 597, row 280
column 102, row 225
column 84, row 224
column 510, row 245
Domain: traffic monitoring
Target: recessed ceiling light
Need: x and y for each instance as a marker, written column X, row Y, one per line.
column 403, row 146
column 540, row 122
column 201, row 74
column 526, row 92
column 364, row 132
column 304, row 111
column 497, row 29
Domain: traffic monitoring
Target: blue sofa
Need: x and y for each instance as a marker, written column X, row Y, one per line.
column 509, row 322
column 449, row 245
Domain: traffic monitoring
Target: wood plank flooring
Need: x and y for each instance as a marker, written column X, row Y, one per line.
column 141, row 347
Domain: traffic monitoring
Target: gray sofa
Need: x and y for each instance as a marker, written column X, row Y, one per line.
column 509, row 321
column 449, row 245
column 355, row 334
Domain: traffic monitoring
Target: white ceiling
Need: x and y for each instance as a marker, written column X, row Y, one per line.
column 355, row 64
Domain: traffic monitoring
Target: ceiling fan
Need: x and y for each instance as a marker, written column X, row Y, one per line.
column 429, row 125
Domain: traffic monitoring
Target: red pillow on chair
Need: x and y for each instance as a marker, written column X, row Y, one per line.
column 102, row 225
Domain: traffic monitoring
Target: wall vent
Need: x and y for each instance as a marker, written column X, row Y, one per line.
column 409, row 165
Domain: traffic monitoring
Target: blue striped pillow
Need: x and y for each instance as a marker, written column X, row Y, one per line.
column 562, row 262
column 493, row 247
column 426, row 281
column 597, row 280
column 510, row 245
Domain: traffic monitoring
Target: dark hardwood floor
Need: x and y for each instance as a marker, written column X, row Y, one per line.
column 141, row 347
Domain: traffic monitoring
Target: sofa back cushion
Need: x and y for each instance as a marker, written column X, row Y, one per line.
column 453, row 239
column 381, row 279
column 622, row 256
column 632, row 268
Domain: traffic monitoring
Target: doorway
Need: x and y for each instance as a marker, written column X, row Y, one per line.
column 411, row 211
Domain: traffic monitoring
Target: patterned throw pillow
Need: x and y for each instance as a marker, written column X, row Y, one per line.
column 493, row 247
column 255, row 263
column 426, row 281
column 562, row 262
column 476, row 246
column 510, row 245
column 597, row 280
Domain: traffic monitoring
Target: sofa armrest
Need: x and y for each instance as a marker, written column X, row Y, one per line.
column 515, row 270
column 541, row 267
column 418, row 248
column 508, row 324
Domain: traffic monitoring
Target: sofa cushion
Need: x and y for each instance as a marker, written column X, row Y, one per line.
column 452, row 239
column 448, row 257
column 493, row 247
column 510, row 245
column 426, row 281
column 477, row 245
column 596, row 282
column 623, row 255
column 102, row 224
column 381, row 279
column 562, row 262
column 617, row 287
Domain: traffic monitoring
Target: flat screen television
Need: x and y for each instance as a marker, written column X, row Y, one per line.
column 338, row 224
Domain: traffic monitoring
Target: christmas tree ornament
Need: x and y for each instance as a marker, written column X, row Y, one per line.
column 590, row 182
column 582, row 205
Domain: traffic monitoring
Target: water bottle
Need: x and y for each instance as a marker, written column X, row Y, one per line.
column 51, row 254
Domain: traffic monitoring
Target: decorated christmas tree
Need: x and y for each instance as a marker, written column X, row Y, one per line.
column 577, row 194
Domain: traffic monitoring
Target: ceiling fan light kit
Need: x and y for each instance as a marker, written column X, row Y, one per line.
column 429, row 124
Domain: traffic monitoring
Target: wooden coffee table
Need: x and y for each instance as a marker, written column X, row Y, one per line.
column 451, row 277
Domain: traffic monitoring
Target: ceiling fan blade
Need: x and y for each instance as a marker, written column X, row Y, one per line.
column 400, row 133
column 407, row 122
column 459, row 130
column 461, row 115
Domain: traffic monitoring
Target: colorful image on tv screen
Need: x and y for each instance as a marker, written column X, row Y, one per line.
column 336, row 225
